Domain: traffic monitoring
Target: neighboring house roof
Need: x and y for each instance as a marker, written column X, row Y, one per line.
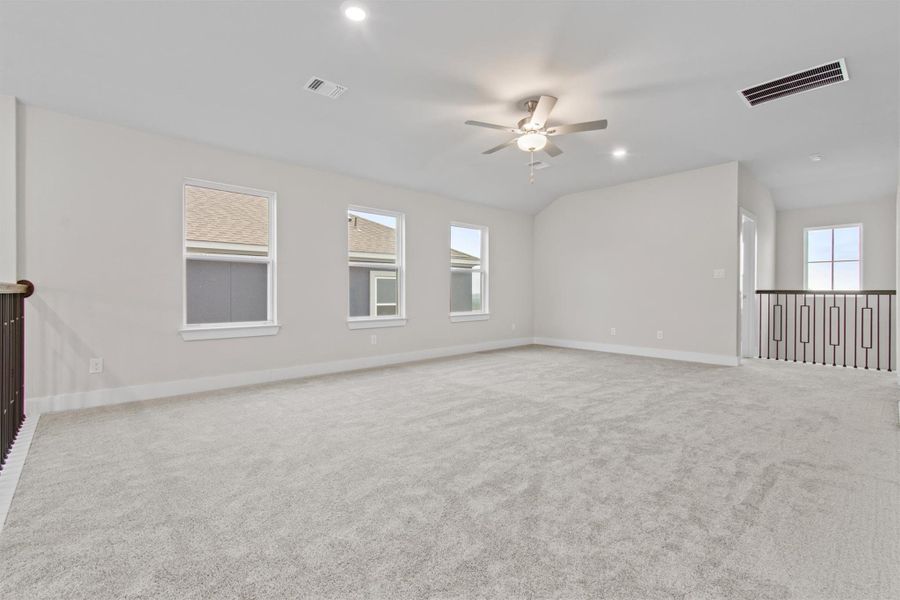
column 369, row 237
column 221, row 217
column 225, row 217
column 459, row 255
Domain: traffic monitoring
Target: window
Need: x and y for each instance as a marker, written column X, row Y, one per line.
column 229, row 261
column 833, row 258
column 375, row 262
column 468, row 272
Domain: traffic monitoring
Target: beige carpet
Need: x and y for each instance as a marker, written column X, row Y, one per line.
column 527, row 473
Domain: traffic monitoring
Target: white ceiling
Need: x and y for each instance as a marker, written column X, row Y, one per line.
column 665, row 75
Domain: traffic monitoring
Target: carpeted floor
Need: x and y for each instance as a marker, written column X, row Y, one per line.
column 526, row 473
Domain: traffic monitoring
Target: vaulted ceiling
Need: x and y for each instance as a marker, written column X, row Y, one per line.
column 665, row 75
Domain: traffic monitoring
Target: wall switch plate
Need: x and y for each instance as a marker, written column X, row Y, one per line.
column 95, row 366
column 612, row 331
column 513, row 326
column 718, row 273
column 659, row 334
column 374, row 339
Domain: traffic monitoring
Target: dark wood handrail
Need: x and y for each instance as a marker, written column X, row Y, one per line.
column 828, row 292
column 22, row 287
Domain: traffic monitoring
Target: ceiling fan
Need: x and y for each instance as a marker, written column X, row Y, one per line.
column 533, row 133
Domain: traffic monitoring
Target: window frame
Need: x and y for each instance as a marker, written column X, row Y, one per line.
column 807, row 262
column 473, row 315
column 207, row 331
column 399, row 266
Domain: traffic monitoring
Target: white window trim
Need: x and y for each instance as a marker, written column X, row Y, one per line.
column 461, row 317
column 230, row 330
column 806, row 231
column 372, row 322
column 209, row 331
column 485, row 313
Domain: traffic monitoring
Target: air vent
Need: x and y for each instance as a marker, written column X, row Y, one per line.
column 324, row 87
column 833, row 72
column 538, row 165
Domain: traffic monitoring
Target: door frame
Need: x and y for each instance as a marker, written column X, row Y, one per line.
column 748, row 319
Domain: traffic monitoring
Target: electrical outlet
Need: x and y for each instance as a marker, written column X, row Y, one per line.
column 612, row 331
column 513, row 326
column 374, row 339
column 95, row 366
column 659, row 334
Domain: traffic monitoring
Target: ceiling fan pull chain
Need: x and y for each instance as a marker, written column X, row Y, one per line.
column 531, row 164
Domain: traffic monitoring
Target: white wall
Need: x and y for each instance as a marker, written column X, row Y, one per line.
column 879, row 222
column 757, row 199
column 7, row 189
column 101, row 213
column 640, row 257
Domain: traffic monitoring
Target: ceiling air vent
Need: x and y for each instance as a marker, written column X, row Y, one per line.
column 833, row 72
column 538, row 165
column 324, row 87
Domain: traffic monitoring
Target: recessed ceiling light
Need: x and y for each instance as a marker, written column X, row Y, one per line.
column 354, row 11
column 816, row 157
column 620, row 153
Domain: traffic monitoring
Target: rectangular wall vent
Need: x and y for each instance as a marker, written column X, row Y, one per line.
column 323, row 87
column 804, row 81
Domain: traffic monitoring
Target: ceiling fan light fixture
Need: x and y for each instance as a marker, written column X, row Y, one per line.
column 354, row 11
column 532, row 142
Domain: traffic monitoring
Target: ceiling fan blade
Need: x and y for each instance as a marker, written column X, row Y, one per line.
column 552, row 149
column 576, row 127
column 493, row 126
column 542, row 111
column 500, row 147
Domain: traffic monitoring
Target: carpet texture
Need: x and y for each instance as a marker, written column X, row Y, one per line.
column 528, row 473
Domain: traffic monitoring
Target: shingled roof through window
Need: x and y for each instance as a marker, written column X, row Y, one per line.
column 369, row 237
column 225, row 217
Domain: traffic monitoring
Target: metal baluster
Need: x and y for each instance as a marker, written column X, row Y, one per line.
column 805, row 303
column 870, row 334
column 20, row 363
column 3, row 375
column 795, row 327
column 775, row 336
column 878, row 332
column 813, row 329
column 844, row 341
column 830, row 333
column 759, row 326
column 784, row 318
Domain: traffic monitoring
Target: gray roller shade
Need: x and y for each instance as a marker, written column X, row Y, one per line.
column 226, row 292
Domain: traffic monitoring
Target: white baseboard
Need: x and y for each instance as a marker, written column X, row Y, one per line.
column 15, row 462
column 700, row 357
column 148, row 391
